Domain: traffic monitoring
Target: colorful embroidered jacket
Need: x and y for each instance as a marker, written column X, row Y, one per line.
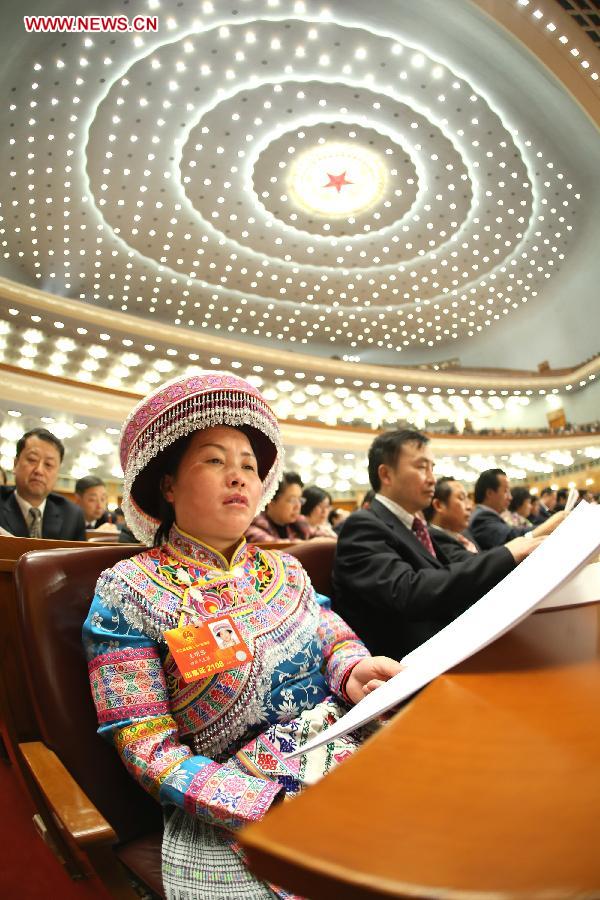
column 179, row 740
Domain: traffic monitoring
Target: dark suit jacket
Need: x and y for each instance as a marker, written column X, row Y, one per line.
column 126, row 536
column 489, row 530
column 543, row 514
column 62, row 520
column 452, row 549
column 393, row 592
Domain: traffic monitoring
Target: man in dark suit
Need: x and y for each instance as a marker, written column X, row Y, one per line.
column 492, row 496
column 448, row 517
column 562, row 496
column 546, row 506
column 393, row 583
column 91, row 496
column 30, row 509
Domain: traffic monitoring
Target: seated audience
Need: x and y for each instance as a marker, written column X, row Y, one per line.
column 366, row 500
column 211, row 744
column 562, row 496
column 519, row 508
column 30, row 508
column 535, row 508
column 546, row 506
column 90, row 494
column 316, row 505
column 118, row 517
column 337, row 517
column 492, row 495
column 126, row 536
column 281, row 520
column 448, row 517
column 3, row 478
column 393, row 581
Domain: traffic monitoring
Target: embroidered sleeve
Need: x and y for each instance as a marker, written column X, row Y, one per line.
column 132, row 701
column 342, row 650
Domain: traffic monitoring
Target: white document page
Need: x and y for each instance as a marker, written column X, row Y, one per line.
column 571, row 499
column 582, row 588
column 566, row 550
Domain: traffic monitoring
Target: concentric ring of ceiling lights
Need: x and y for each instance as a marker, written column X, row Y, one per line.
column 184, row 208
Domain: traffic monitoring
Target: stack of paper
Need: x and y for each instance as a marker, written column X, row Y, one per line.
column 551, row 565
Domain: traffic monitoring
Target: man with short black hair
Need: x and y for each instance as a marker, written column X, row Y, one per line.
column 547, row 505
column 282, row 519
column 393, row 582
column 492, row 496
column 91, row 496
column 562, row 495
column 448, row 517
column 30, row 509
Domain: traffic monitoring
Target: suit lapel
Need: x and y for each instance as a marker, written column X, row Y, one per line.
column 52, row 520
column 15, row 523
column 402, row 532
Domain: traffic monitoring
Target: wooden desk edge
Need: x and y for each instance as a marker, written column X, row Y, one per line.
column 321, row 881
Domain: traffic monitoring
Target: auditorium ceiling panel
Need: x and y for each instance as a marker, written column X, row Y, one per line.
column 380, row 183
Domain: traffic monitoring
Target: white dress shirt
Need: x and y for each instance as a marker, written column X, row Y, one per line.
column 25, row 507
column 405, row 517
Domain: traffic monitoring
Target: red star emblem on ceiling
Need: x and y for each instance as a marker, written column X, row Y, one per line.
column 337, row 181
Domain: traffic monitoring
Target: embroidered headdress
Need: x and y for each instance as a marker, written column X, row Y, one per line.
column 177, row 408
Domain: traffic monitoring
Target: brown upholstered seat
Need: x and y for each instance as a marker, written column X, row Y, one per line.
column 55, row 589
column 317, row 558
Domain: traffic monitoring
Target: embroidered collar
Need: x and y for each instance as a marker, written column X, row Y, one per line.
column 195, row 551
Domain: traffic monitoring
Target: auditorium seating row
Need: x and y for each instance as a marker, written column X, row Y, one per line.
column 487, row 783
column 95, row 814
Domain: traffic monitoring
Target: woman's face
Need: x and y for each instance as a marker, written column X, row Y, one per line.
column 525, row 507
column 216, row 489
column 319, row 514
column 285, row 508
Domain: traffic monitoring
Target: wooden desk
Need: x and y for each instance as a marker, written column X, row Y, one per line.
column 486, row 785
column 94, row 536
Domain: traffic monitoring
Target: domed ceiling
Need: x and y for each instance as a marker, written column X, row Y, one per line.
column 382, row 183
column 222, row 183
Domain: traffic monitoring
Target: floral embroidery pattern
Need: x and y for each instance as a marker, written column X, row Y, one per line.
column 229, row 796
column 127, row 684
column 179, row 739
column 150, row 750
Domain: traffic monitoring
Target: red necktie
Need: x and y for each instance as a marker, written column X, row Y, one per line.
column 422, row 534
column 467, row 544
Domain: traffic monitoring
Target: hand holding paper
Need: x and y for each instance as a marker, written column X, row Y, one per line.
column 554, row 561
column 369, row 674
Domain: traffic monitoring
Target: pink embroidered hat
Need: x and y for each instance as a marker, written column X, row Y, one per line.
column 177, row 408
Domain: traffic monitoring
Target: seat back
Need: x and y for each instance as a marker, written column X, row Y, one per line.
column 54, row 592
column 317, row 558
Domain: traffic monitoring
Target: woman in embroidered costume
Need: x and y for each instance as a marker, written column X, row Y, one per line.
column 200, row 455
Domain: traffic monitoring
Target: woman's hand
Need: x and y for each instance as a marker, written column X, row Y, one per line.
column 369, row 674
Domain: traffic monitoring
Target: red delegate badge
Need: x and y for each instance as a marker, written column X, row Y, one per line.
column 203, row 650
